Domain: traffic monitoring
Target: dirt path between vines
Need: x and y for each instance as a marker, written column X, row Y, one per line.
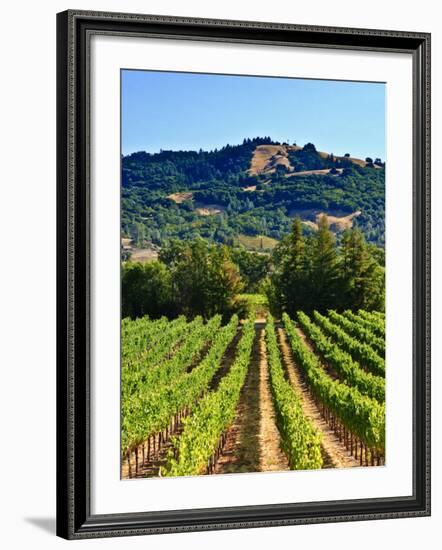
column 334, row 453
column 272, row 457
column 309, row 344
column 253, row 441
column 227, row 361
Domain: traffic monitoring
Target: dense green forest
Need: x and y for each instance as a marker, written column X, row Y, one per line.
column 243, row 203
column 303, row 273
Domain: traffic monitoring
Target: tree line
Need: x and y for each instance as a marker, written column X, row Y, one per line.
column 194, row 278
column 304, row 272
column 313, row 272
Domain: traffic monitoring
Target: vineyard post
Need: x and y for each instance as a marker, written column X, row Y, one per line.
column 129, row 466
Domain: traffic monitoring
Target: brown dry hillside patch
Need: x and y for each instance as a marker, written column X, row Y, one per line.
column 143, row 255
column 261, row 157
column 257, row 242
column 209, row 209
column 181, row 197
column 359, row 162
column 338, row 220
column 344, row 222
column 266, row 158
column 321, row 172
column 335, row 223
column 354, row 160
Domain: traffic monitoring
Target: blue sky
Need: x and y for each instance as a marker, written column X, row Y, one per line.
column 186, row 111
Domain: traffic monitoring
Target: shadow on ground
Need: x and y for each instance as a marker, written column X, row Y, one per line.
column 45, row 524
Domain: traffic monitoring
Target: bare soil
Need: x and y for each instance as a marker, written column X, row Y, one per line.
column 181, row 197
column 143, row 254
column 309, row 344
column 257, row 242
column 253, row 441
column 266, row 157
column 241, row 451
column 318, row 172
column 335, row 223
column 151, row 465
column 229, row 357
column 272, row 458
column 208, row 211
column 334, row 453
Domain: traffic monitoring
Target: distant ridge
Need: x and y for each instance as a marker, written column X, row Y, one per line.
column 241, row 193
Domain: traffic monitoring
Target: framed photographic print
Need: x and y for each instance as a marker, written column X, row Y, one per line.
column 243, row 274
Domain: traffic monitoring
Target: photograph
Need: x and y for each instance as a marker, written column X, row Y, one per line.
column 218, row 300
column 252, row 274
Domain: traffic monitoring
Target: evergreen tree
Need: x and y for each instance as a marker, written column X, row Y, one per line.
column 362, row 277
column 287, row 291
column 323, row 269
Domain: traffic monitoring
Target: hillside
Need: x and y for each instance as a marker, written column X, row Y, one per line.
column 267, row 159
column 252, row 190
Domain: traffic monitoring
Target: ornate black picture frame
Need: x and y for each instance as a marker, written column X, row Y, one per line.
column 74, row 518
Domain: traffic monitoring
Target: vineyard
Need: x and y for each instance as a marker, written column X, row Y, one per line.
column 207, row 397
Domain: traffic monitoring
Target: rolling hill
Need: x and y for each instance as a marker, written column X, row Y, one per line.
column 248, row 193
